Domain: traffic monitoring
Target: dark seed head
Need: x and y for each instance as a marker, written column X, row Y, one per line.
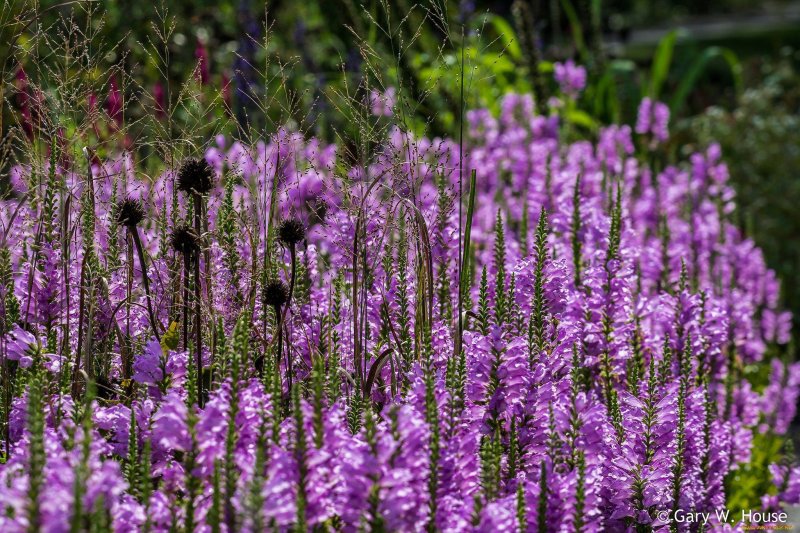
column 184, row 240
column 196, row 176
column 130, row 212
column 276, row 293
column 291, row 231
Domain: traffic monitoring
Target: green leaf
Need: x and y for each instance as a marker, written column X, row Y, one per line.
column 506, row 35
column 171, row 338
column 661, row 62
column 546, row 67
column 606, row 103
column 380, row 361
column 576, row 28
column 698, row 67
column 580, row 118
column 462, row 282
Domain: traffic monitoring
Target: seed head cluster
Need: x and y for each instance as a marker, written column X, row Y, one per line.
column 291, row 231
column 130, row 212
column 184, row 240
column 276, row 293
column 196, row 177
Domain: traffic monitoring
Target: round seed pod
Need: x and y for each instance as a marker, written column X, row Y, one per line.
column 184, row 240
column 291, row 231
column 130, row 212
column 276, row 293
column 196, row 176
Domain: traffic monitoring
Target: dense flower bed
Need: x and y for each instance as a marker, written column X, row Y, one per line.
column 298, row 361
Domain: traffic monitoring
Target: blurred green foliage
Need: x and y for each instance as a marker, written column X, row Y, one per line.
column 761, row 144
column 300, row 61
column 745, row 485
column 307, row 56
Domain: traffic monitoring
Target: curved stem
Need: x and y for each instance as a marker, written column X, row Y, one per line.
column 197, row 331
column 198, row 209
column 145, row 280
column 293, row 253
column 289, row 369
column 185, row 300
column 125, row 341
column 279, row 333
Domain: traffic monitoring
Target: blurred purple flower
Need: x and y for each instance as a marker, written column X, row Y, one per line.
column 571, row 78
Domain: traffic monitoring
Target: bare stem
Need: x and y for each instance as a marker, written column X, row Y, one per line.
column 145, row 280
column 289, row 369
column 185, row 300
column 279, row 333
column 198, row 333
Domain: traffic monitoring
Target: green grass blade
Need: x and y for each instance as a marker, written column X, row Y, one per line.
column 576, row 27
column 662, row 58
column 467, row 233
column 696, row 70
column 507, row 36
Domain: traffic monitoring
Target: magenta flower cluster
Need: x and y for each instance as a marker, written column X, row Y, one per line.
column 571, row 78
column 576, row 364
